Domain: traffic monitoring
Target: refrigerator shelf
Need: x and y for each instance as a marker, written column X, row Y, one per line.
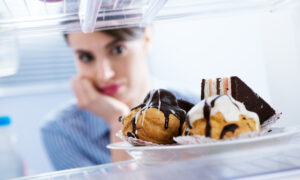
column 88, row 15
column 255, row 163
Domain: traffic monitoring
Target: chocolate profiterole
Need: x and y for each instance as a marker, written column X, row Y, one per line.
column 220, row 117
column 157, row 119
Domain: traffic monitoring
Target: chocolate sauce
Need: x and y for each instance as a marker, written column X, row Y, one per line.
column 130, row 134
column 202, row 88
column 234, row 104
column 218, row 85
column 206, row 112
column 228, row 128
column 212, row 103
column 164, row 101
column 186, row 131
column 120, row 118
column 185, row 105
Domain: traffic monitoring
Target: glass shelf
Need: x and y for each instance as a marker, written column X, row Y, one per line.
column 267, row 160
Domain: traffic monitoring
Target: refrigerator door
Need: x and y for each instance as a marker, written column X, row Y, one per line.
column 88, row 15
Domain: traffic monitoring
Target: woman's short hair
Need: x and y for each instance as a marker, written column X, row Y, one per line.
column 123, row 34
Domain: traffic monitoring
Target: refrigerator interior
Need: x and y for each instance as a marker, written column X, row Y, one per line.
column 257, row 40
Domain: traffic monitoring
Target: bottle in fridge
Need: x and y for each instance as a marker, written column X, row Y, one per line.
column 11, row 165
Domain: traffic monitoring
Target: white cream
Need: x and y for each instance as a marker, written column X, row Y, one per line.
column 222, row 86
column 206, row 89
column 214, row 87
column 229, row 86
column 225, row 104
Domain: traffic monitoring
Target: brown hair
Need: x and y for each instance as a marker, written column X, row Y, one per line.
column 123, row 34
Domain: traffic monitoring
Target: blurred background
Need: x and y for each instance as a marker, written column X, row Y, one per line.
column 262, row 48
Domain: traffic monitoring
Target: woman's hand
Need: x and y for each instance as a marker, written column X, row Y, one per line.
column 90, row 99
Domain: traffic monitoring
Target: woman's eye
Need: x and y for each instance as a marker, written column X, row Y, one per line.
column 86, row 58
column 118, row 49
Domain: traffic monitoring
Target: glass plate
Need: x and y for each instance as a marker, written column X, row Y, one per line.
column 165, row 153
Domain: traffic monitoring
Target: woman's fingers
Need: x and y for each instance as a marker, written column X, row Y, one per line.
column 90, row 99
column 84, row 92
column 77, row 89
column 89, row 90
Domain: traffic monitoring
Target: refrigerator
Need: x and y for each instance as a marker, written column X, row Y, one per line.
column 257, row 40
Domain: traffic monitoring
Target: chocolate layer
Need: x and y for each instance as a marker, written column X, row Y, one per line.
column 228, row 128
column 218, row 86
column 202, row 88
column 253, row 102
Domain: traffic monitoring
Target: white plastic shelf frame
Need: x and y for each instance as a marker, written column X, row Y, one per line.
column 88, row 15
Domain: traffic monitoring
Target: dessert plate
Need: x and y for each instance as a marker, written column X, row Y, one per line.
column 165, row 153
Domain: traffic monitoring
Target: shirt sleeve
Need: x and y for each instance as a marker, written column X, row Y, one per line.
column 74, row 138
column 63, row 153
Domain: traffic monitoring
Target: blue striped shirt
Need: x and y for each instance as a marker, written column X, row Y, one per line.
column 76, row 138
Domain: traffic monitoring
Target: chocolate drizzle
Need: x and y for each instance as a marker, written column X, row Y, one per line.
column 228, row 128
column 235, row 104
column 164, row 101
column 185, row 105
column 206, row 113
column 202, row 88
column 121, row 119
column 212, row 103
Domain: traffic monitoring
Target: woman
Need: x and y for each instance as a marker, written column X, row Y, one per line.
column 113, row 77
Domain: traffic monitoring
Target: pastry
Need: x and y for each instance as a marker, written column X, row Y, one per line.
column 158, row 119
column 235, row 87
column 220, row 117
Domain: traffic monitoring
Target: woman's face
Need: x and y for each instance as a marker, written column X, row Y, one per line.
column 116, row 68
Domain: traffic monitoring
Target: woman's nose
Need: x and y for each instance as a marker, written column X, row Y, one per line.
column 104, row 70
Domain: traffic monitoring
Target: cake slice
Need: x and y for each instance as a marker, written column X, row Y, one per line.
column 235, row 87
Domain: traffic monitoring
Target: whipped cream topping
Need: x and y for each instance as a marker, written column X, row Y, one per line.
column 225, row 104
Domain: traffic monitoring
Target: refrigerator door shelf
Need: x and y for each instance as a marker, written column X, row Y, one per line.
column 88, row 15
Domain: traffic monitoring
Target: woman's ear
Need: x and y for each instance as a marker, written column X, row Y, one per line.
column 148, row 37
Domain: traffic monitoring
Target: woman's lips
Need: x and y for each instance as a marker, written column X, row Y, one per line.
column 111, row 89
